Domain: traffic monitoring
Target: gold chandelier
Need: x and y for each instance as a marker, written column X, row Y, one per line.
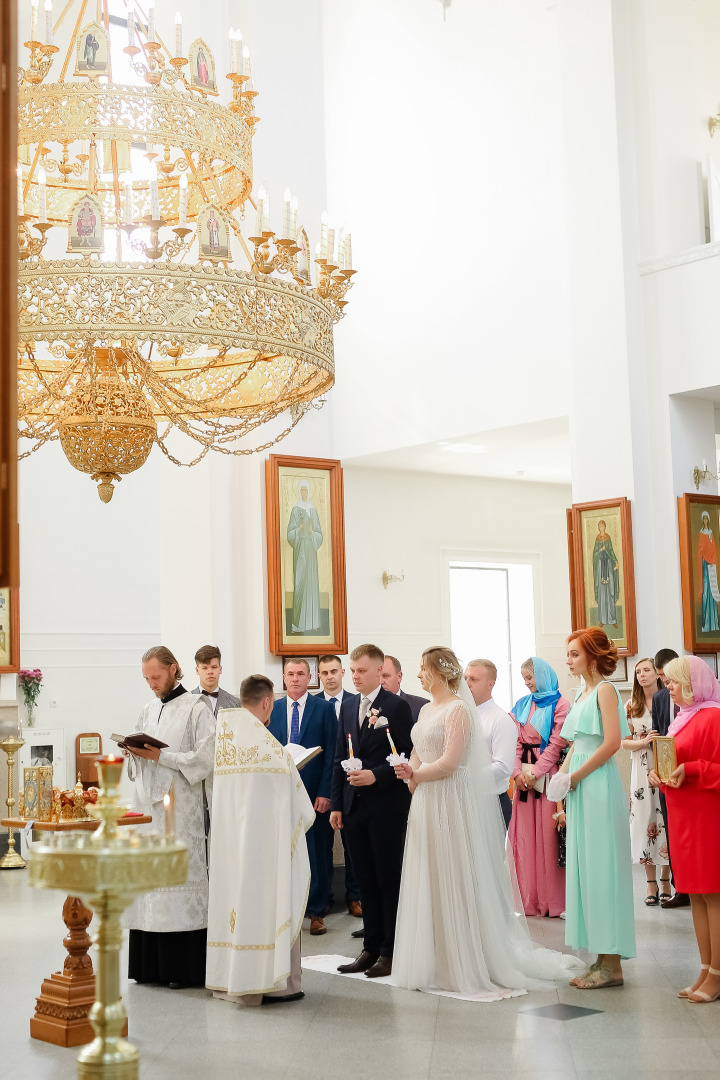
column 149, row 325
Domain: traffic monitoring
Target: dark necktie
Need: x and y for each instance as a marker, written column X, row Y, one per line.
column 211, row 693
column 333, row 700
column 295, row 723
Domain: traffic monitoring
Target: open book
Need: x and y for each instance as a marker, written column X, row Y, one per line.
column 137, row 739
column 300, row 755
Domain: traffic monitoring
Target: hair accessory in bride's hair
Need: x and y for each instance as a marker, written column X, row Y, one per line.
column 453, row 670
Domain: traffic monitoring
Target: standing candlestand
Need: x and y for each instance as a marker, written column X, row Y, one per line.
column 108, row 870
column 11, row 860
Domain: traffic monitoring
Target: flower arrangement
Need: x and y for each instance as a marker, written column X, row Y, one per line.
column 30, row 680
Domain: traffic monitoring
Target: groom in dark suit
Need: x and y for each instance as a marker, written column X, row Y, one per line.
column 372, row 805
column 310, row 721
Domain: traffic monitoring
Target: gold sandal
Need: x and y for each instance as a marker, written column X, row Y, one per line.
column 599, row 979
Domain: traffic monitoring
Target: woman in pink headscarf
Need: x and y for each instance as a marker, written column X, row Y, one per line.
column 693, row 806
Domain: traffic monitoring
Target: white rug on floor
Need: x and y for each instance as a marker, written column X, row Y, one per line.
column 328, row 964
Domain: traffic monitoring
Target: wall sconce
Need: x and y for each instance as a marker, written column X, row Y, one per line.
column 703, row 474
column 387, row 579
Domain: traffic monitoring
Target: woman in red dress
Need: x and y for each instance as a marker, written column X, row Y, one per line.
column 693, row 806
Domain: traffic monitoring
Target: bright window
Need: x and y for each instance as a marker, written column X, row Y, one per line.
column 492, row 617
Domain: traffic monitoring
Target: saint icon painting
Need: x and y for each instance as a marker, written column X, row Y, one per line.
column 602, row 584
column 202, row 67
column 306, row 556
column 699, row 521
column 85, row 227
column 92, row 51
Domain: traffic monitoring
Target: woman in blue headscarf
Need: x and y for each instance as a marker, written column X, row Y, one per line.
column 533, row 831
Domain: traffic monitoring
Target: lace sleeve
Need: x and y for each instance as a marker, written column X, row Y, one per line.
column 458, row 731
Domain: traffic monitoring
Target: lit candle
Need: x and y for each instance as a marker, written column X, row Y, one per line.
column 350, row 749
column 34, row 19
column 260, row 212
column 154, row 194
column 169, row 804
column 151, row 20
column 178, row 34
column 392, row 744
column 42, row 194
column 131, row 26
column 323, row 235
column 293, row 217
column 20, row 196
column 348, row 253
column 331, row 246
column 287, row 199
column 48, row 22
column 129, row 209
column 183, row 200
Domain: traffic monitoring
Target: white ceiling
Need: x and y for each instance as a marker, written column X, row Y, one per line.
column 537, row 452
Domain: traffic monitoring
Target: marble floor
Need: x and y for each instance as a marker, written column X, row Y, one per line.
column 345, row 1027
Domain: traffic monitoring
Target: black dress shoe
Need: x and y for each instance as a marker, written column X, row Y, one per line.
column 364, row 961
column 382, row 967
column 178, row 986
column 679, row 900
column 269, row 1000
column 358, row 933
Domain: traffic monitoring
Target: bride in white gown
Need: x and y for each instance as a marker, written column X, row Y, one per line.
column 458, row 927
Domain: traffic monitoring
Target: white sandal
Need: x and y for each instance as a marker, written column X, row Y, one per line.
column 698, row 998
column 688, row 989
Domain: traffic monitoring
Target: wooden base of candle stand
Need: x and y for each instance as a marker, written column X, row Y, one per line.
column 66, row 998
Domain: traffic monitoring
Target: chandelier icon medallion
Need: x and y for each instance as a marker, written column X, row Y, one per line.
column 154, row 296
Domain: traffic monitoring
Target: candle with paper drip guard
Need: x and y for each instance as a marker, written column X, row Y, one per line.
column 394, row 758
column 169, row 804
column 351, row 763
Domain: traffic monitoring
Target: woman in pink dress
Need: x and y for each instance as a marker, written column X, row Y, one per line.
column 533, row 828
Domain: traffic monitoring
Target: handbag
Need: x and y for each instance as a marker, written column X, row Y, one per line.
column 539, row 782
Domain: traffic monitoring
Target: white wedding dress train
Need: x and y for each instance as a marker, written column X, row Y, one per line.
column 460, row 928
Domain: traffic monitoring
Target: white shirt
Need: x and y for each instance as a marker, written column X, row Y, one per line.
column 301, row 709
column 501, row 734
column 371, row 698
column 338, row 702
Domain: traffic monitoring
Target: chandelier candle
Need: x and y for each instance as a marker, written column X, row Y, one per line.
column 48, row 22
column 323, row 235
column 129, row 209
column 34, row 19
column 330, row 253
column 260, row 220
column 154, row 194
column 183, row 201
column 178, row 34
column 42, row 194
column 286, row 222
column 131, row 27
column 151, row 20
column 246, row 66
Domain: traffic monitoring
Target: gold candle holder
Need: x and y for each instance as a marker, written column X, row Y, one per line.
column 11, row 860
column 108, row 871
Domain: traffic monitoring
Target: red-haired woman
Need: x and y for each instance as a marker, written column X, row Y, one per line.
column 598, row 870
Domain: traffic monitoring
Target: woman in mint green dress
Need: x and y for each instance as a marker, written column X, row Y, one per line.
column 598, row 876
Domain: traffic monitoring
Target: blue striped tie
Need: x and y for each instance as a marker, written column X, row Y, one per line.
column 295, row 723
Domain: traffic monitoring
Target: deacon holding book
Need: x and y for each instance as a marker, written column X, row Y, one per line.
column 168, row 926
column 259, row 865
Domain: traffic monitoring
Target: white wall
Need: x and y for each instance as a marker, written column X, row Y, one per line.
column 416, row 522
column 444, row 157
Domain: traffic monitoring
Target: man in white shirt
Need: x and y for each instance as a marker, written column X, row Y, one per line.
column 499, row 727
column 331, row 673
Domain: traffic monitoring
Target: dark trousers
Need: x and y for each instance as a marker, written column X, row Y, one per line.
column 663, row 809
column 317, row 842
column 506, row 807
column 352, row 889
column 376, row 840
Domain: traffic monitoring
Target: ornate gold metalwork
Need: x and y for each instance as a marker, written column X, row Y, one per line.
column 115, row 354
column 12, row 859
column 108, row 870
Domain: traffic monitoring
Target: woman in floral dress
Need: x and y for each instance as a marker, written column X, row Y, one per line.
column 647, row 831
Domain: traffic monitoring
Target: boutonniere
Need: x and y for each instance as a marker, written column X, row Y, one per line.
column 376, row 720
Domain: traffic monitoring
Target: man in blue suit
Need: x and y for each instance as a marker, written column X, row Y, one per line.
column 310, row 721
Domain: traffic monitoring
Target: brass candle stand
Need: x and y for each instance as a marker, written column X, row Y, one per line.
column 11, row 860
column 108, row 870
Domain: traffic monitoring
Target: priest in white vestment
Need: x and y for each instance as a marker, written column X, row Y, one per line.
column 259, row 865
column 168, row 927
